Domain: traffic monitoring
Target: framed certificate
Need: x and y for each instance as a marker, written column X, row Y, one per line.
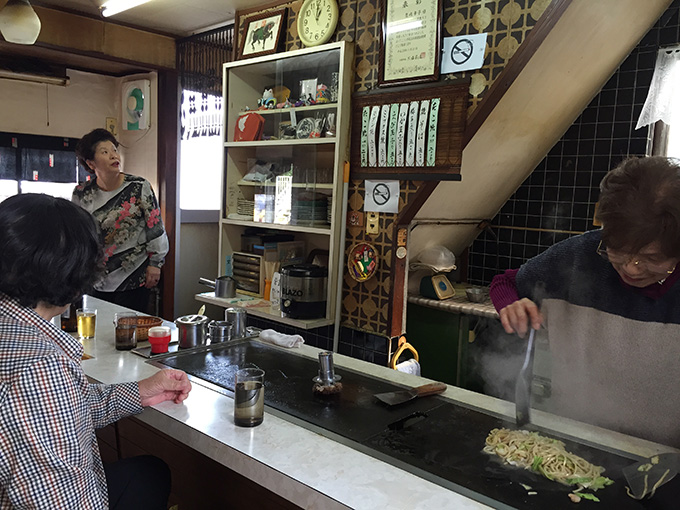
column 410, row 45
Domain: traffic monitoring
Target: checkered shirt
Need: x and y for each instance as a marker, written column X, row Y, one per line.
column 49, row 411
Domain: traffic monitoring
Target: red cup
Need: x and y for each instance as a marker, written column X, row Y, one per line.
column 159, row 338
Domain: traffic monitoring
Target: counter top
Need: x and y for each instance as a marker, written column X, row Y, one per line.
column 459, row 303
column 308, row 469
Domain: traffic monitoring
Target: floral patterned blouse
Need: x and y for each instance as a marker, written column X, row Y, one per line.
column 131, row 228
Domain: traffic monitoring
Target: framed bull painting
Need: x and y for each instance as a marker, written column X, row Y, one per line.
column 261, row 33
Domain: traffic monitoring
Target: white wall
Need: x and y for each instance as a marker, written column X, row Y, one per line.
column 79, row 107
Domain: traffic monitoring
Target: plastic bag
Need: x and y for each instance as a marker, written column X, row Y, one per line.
column 438, row 258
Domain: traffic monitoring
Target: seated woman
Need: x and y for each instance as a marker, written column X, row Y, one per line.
column 49, row 256
column 135, row 242
column 610, row 302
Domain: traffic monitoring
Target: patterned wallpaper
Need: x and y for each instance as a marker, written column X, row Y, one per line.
column 365, row 305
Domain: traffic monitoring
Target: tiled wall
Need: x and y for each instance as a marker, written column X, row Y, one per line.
column 354, row 343
column 558, row 199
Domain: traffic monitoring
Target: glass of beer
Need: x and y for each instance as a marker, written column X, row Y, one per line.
column 249, row 397
column 87, row 321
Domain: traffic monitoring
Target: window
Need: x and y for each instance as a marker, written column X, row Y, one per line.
column 200, row 152
column 38, row 164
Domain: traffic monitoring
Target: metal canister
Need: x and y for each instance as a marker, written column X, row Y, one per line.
column 237, row 316
column 192, row 330
column 220, row 331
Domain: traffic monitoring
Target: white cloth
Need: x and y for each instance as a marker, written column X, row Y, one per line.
column 276, row 338
column 410, row 366
column 661, row 103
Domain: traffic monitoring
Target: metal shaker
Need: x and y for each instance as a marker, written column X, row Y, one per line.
column 237, row 316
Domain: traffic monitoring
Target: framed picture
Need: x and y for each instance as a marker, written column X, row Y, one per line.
column 410, row 42
column 261, row 33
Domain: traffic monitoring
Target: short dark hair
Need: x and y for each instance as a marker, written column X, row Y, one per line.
column 50, row 250
column 87, row 144
column 640, row 204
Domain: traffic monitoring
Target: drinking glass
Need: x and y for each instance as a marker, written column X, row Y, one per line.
column 249, row 397
column 126, row 330
column 87, row 321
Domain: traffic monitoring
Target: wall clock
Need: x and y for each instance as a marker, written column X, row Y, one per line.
column 316, row 21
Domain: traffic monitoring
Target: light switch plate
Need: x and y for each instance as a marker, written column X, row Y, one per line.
column 112, row 125
column 372, row 223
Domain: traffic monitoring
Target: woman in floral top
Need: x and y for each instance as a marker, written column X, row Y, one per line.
column 127, row 211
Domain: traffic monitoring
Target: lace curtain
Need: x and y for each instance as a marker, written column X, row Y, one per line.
column 201, row 114
column 662, row 100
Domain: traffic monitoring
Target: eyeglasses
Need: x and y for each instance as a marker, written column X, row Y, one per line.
column 619, row 258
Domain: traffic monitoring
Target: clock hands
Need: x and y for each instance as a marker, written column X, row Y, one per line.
column 318, row 9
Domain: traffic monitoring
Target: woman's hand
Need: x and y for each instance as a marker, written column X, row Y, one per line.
column 168, row 384
column 153, row 275
column 516, row 316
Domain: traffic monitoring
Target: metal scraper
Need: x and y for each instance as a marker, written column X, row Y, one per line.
column 646, row 476
column 523, row 385
column 393, row 398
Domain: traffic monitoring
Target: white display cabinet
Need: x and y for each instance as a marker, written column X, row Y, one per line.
column 288, row 179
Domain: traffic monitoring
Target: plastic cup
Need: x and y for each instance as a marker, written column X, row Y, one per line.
column 249, row 397
column 159, row 338
column 126, row 330
column 87, row 322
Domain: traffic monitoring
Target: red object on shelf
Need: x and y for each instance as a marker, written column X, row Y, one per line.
column 248, row 127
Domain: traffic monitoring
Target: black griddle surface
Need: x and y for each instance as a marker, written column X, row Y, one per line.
column 430, row 437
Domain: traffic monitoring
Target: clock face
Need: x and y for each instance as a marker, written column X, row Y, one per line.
column 316, row 21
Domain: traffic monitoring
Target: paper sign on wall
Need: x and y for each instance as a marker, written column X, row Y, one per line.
column 463, row 53
column 382, row 196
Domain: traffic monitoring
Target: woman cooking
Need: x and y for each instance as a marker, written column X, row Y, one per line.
column 610, row 303
column 127, row 211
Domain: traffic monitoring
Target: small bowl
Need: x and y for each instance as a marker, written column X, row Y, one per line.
column 476, row 294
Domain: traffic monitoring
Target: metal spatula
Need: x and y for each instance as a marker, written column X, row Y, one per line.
column 646, row 476
column 523, row 386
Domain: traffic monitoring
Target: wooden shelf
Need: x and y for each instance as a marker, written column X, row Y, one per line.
column 263, row 312
column 293, row 228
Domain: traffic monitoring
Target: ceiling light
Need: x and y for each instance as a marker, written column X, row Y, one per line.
column 112, row 7
column 19, row 24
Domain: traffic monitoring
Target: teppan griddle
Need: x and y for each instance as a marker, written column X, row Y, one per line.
column 431, row 437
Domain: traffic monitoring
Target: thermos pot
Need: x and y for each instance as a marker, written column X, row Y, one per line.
column 192, row 330
column 303, row 291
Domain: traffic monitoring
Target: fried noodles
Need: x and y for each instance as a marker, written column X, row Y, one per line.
column 545, row 456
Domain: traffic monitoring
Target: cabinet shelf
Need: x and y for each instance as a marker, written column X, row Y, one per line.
column 280, row 143
column 275, row 226
column 272, row 184
column 263, row 312
column 296, row 109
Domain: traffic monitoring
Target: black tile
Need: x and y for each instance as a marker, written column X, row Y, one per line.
column 344, row 349
column 626, row 80
column 587, row 131
column 607, row 98
column 380, row 359
column 603, row 131
column 626, row 97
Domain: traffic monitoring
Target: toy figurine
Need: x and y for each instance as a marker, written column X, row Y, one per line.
column 267, row 101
